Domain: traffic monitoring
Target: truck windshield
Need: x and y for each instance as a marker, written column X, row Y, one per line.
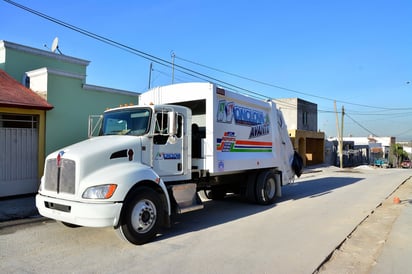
column 126, row 122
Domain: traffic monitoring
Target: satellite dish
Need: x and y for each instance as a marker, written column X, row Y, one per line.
column 55, row 45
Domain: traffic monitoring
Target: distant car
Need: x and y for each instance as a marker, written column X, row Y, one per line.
column 381, row 163
column 406, row 164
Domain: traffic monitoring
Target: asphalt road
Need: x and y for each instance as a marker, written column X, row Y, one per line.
column 295, row 235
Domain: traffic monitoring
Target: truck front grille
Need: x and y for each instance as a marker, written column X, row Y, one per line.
column 60, row 179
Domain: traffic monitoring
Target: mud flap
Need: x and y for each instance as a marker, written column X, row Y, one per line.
column 186, row 197
column 297, row 164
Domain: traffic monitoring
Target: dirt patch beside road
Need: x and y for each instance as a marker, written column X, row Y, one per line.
column 359, row 252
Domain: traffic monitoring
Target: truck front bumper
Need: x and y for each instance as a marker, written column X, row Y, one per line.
column 82, row 214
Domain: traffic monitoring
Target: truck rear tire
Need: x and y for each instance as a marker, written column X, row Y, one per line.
column 141, row 216
column 250, row 192
column 266, row 188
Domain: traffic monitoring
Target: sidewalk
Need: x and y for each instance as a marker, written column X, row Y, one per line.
column 396, row 256
column 17, row 208
column 382, row 242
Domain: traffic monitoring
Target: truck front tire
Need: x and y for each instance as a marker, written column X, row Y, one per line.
column 141, row 216
column 69, row 224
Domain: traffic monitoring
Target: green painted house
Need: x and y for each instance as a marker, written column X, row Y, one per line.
column 61, row 80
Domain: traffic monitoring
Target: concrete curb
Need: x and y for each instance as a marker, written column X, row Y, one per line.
column 24, row 221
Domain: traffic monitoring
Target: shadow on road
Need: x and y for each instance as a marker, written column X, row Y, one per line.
column 234, row 207
column 230, row 209
column 316, row 187
column 214, row 213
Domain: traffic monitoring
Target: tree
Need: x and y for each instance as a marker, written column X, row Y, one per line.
column 398, row 154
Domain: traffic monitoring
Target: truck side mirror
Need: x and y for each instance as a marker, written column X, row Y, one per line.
column 171, row 115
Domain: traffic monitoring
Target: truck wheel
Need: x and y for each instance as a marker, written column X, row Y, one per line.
column 251, row 187
column 69, row 225
column 141, row 216
column 216, row 193
column 266, row 188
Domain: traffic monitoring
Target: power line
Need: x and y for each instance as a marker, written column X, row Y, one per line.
column 186, row 70
column 139, row 53
column 398, row 114
column 280, row 87
column 250, row 79
column 404, row 132
column 361, row 125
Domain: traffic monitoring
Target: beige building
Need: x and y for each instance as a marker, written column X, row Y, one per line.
column 302, row 120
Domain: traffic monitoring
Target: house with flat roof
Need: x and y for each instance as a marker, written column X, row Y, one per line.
column 359, row 150
column 301, row 117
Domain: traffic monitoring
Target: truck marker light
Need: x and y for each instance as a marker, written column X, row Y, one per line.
column 111, row 191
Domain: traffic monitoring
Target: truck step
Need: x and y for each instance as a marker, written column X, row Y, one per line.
column 186, row 197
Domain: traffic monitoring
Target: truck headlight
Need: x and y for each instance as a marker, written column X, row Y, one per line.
column 99, row 192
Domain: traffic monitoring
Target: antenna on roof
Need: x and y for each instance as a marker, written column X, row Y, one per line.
column 55, row 45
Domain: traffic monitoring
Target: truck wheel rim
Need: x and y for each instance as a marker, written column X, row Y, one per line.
column 143, row 216
column 270, row 188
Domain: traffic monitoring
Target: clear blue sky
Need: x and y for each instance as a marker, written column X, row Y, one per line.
column 356, row 52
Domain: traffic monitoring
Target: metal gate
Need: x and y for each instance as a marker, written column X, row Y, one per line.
column 18, row 154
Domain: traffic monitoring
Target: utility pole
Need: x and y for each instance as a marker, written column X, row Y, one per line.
column 150, row 74
column 341, row 139
column 173, row 67
column 340, row 135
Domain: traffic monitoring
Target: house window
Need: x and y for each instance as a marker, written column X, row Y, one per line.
column 27, row 81
column 18, row 121
column 305, row 118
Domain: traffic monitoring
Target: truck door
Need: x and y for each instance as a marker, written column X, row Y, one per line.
column 168, row 152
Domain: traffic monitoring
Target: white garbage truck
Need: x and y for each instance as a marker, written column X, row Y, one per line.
column 150, row 161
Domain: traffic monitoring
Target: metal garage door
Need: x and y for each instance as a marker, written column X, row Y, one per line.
column 18, row 154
